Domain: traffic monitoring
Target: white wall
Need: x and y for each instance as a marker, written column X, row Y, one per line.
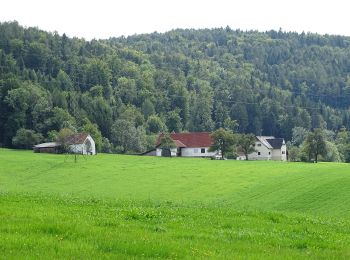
column 173, row 152
column 196, row 152
column 82, row 148
column 93, row 146
column 189, row 152
column 284, row 149
column 265, row 153
column 280, row 154
column 241, row 158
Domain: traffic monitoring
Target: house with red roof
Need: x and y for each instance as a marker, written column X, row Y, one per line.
column 194, row 144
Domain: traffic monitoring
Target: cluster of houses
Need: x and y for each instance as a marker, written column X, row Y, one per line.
column 195, row 144
column 198, row 144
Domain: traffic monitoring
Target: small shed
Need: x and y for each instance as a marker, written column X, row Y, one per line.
column 52, row 147
column 80, row 143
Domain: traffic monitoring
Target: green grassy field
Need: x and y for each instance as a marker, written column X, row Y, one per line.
column 111, row 206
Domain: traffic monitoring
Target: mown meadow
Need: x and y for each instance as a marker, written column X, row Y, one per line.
column 115, row 206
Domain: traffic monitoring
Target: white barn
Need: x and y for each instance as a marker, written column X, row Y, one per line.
column 194, row 144
column 81, row 143
column 268, row 148
column 77, row 143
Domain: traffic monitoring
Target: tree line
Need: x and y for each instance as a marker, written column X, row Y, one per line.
column 126, row 90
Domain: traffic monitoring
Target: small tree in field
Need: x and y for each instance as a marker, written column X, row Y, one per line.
column 223, row 141
column 246, row 143
column 167, row 143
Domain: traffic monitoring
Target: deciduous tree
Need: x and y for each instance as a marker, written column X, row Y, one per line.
column 125, row 135
column 26, row 138
column 315, row 144
column 246, row 143
column 223, row 141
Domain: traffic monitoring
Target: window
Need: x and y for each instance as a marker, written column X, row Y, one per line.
column 283, row 152
column 195, row 150
column 203, row 150
column 258, row 145
column 269, row 153
column 259, row 153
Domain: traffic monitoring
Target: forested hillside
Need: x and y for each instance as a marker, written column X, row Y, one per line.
column 183, row 80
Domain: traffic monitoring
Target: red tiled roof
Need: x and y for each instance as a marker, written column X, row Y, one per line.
column 194, row 139
column 77, row 138
column 179, row 143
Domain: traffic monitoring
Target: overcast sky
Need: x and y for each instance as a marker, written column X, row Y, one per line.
column 108, row 18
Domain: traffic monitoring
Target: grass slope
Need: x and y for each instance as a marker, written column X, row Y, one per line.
column 146, row 207
column 315, row 188
column 45, row 227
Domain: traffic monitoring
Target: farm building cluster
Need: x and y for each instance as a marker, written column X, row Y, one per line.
column 193, row 144
column 197, row 144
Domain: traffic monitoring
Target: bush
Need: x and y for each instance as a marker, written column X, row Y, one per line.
column 332, row 153
column 106, row 146
column 26, row 139
column 151, row 141
column 294, row 154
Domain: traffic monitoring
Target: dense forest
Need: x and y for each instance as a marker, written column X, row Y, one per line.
column 131, row 88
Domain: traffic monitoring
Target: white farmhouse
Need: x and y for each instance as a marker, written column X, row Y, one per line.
column 81, row 143
column 195, row 144
column 268, row 148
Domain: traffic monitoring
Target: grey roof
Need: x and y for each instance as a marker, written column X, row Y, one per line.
column 263, row 140
column 276, row 143
column 47, row 145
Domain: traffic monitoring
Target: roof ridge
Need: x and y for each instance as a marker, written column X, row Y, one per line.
column 191, row 139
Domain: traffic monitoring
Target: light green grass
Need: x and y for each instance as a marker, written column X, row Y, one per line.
column 111, row 206
column 49, row 227
column 322, row 188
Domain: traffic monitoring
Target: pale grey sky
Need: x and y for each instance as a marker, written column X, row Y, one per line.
column 108, row 18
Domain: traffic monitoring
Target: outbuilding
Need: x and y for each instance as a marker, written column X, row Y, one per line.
column 80, row 143
column 52, row 147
